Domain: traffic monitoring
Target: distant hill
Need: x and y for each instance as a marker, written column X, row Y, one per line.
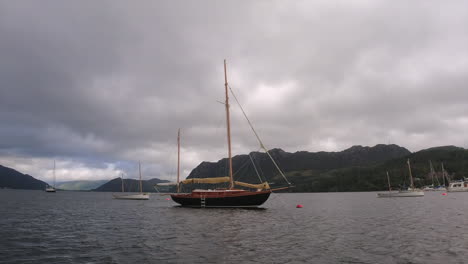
column 355, row 169
column 130, row 185
column 373, row 177
column 301, row 167
column 10, row 178
column 80, row 185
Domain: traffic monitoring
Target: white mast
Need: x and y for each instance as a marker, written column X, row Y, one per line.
column 54, row 174
column 121, row 177
column 432, row 173
column 411, row 175
column 389, row 186
column 139, row 170
column 178, row 160
column 443, row 174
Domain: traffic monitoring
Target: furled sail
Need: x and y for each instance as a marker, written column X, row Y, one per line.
column 263, row 186
column 206, row 180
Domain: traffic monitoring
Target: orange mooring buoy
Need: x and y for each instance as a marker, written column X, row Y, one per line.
column 299, row 206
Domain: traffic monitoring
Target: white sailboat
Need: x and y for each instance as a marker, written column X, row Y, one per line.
column 139, row 196
column 433, row 187
column 443, row 186
column 49, row 188
column 410, row 192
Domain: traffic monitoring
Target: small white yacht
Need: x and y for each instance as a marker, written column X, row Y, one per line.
column 49, row 188
column 433, row 187
column 410, row 192
column 402, row 193
column 134, row 196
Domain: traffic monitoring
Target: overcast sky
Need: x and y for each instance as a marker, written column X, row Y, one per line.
column 99, row 85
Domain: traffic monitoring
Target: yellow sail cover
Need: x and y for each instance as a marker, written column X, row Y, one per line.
column 206, row 180
column 263, row 186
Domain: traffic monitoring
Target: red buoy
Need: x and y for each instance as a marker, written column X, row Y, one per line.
column 168, row 199
column 299, row 206
column 444, row 194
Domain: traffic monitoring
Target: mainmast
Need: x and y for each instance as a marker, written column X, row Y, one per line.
column 228, row 125
column 178, row 160
column 389, row 186
column 121, row 177
column 139, row 170
column 432, row 172
column 410, row 175
column 443, row 174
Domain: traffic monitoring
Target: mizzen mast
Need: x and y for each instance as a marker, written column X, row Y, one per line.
column 389, row 186
column 411, row 175
column 121, row 177
column 228, row 125
column 139, row 171
column 54, row 174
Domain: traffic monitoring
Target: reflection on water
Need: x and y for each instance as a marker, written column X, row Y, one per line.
column 87, row 227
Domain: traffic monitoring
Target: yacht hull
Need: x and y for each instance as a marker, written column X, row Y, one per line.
column 458, row 186
column 131, row 196
column 457, row 189
column 401, row 194
column 221, row 198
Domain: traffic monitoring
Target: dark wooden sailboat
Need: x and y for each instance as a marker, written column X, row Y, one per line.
column 230, row 197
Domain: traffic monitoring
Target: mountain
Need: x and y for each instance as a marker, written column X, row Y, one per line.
column 10, row 178
column 355, row 169
column 301, row 167
column 373, row 177
column 80, row 185
column 130, row 185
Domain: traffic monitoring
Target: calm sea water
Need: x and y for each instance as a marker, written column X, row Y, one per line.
column 82, row 227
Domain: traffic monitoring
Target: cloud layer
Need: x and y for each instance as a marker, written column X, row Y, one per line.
column 99, row 86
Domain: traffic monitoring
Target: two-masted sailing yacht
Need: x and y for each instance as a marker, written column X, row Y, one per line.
column 230, row 197
column 410, row 192
column 49, row 188
column 138, row 196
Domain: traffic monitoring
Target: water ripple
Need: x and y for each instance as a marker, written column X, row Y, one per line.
column 83, row 227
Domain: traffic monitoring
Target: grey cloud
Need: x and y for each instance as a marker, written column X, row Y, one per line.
column 110, row 82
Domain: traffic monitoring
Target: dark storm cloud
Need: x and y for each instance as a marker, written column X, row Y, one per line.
column 101, row 85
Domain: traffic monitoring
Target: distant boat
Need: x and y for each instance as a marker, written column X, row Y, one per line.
column 165, row 187
column 458, row 186
column 229, row 197
column 49, row 188
column 433, row 187
column 139, row 196
column 443, row 186
column 410, row 192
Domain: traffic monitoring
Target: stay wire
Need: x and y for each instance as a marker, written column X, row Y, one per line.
column 258, row 138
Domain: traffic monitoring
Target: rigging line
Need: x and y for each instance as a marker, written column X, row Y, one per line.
column 255, row 168
column 238, row 170
column 260, row 168
column 258, row 138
